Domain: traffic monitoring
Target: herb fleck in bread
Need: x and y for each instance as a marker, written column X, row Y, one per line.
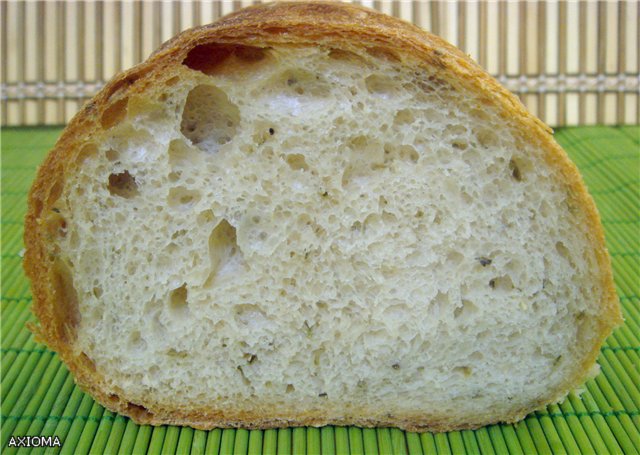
column 309, row 214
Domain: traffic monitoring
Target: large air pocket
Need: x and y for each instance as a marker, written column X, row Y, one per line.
column 209, row 119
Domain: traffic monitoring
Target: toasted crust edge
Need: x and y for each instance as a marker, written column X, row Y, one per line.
column 308, row 23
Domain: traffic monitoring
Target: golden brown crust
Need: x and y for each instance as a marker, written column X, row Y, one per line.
column 309, row 23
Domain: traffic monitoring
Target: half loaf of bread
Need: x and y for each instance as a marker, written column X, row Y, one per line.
column 309, row 214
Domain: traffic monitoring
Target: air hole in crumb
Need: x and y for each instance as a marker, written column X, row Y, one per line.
column 502, row 283
column 135, row 340
column 467, row 309
column 459, row 144
column 404, row 117
column 205, row 217
column 455, row 131
column 37, row 206
column 66, row 317
column 342, row 55
column 261, row 135
column 86, row 360
column 480, row 114
column 317, row 355
column 74, row 240
column 365, row 155
column 172, row 81
column 400, row 153
column 114, row 114
column 112, row 155
column 123, row 185
column 223, row 247
column 440, row 303
column 97, row 292
column 182, row 155
column 121, row 84
column 56, row 225
column 380, row 85
column 302, row 82
column 455, row 257
column 138, row 412
column 290, row 388
column 220, row 58
column 465, row 371
column 436, row 83
column 54, row 192
column 383, row 54
column 209, row 119
column 183, row 198
column 515, row 171
column 487, row 138
column 297, row 162
column 563, row 251
column 88, row 150
column 178, row 298
column 177, row 354
column 250, row 358
column 477, row 355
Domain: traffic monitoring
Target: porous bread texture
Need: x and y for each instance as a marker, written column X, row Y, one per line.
column 326, row 233
column 312, row 213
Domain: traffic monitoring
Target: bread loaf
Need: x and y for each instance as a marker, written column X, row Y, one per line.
column 310, row 214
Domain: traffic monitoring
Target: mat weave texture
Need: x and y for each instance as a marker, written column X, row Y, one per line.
column 39, row 396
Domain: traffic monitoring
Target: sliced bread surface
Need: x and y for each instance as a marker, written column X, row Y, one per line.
column 312, row 213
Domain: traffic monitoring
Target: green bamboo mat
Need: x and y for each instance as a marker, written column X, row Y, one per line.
column 40, row 398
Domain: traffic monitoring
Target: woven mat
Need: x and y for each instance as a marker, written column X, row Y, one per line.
column 40, row 398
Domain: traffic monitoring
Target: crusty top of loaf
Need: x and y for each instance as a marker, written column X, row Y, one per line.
column 280, row 24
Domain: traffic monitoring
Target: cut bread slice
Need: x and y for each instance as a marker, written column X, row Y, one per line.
column 309, row 214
